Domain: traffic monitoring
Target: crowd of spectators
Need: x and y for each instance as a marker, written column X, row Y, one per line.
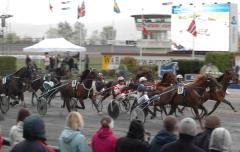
column 28, row 135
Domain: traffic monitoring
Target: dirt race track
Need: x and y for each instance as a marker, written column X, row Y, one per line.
column 55, row 119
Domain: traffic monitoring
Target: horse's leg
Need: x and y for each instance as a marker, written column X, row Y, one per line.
column 230, row 104
column 172, row 110
column 81, row 103
column 215, row 107
column 154, row 113
column 204, row 110
column 22, row 100
column 32, row 101
column 95, row 104
column 198, row 116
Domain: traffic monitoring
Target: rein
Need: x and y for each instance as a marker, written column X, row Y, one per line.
column 87, row 89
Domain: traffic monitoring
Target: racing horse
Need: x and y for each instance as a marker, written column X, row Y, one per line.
column 17, row 83
column 61, row 72
column 192, row 95
column 218, row 94
column 81, row 91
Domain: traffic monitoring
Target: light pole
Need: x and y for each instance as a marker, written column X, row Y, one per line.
column 3, row 25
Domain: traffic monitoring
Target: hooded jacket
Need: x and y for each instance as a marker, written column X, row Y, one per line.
column 184, row 144
column 16, row 133
column 104, row 141
column 163, row 137
column 72, row 140
column 134, row 141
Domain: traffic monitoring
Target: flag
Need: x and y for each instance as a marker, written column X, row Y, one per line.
column 50, row 6
column 65, row 5
column 81, row 10
column 115, row 7
column 144, row 27
column 192, row 28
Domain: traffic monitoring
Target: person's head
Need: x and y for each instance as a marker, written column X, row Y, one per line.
column 212, row 122
column 107, row 122
column 179, row 77
column 170, row 123
column 46, row 53
column 33, row 128
column 121, row 80
column 22, row 114
column 142, row 79
column 74, row 120
column 188, row 127
column 100, row 75
column 136, row 130
column 220, row 140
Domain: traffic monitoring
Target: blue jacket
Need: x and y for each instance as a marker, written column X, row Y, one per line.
column 163, row 137
column 72, row 140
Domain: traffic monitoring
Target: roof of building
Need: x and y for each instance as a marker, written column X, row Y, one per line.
column 151, row 15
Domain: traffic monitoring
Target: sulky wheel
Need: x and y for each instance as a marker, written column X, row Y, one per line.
column 138, row 114
column 4, row 104
column 113, row 109
column 42, row 106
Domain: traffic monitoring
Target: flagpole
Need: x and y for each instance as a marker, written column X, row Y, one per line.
column 193, row 40
column 141, row 46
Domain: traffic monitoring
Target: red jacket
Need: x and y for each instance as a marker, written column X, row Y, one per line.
column 104, row 141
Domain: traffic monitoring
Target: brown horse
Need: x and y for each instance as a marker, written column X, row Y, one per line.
column 18, row 83
column 82, row 91
column 193, row 95
column 218, row 94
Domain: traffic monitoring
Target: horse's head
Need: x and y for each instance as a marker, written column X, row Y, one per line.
column 212, row 82
column 230, row 75
column 169, row 78
column 92, row 75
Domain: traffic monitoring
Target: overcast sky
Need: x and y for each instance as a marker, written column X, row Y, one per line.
column 37, row 11
column 97, row 11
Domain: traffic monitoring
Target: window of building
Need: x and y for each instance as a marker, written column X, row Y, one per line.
column 117, row 61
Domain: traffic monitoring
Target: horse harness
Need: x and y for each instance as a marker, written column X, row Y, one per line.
column 76, row 83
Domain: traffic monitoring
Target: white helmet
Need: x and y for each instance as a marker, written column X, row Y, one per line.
column 179, row 76
column 142, row 79
column 100, row 74
column 120, row 78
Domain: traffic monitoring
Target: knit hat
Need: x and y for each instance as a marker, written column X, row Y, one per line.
column 136, row 130
column 188, row 127
column 33, row 128
column 220, row 140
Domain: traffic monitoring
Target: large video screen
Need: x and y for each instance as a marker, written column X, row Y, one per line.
column 212, row 26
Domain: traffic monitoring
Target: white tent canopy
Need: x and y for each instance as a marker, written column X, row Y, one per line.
column 54, row 45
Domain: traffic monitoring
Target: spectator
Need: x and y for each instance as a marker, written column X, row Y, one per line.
column 16, row 132
column 71, row 138
column 220, row 140
column 104, row 140
column 28, row 60
column 46, row 61
column 134, row 141
column 34, row 134
column 187, row 130
column 202, row 139
column 166, row 135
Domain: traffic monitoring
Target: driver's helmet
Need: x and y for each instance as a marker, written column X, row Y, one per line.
column 100, row 74
column 142, row 79
column 120, row 79
column 47, row 77
column 179, row 77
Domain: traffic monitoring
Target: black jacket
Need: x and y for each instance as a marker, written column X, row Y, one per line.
column 127, row 144
column 184, row 144
column 202, row 139
column 29, row 146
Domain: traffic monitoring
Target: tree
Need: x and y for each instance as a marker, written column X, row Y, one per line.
column 64, row 30
column 52, row 33
column 12, row 38
column 108, row 33
column 131, row 64
column 94, row 38
column 79, row 33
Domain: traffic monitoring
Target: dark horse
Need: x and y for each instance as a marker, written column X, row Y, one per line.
column 218, row 94
column 61, row 72
column 17, row 83
column 82, row 91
